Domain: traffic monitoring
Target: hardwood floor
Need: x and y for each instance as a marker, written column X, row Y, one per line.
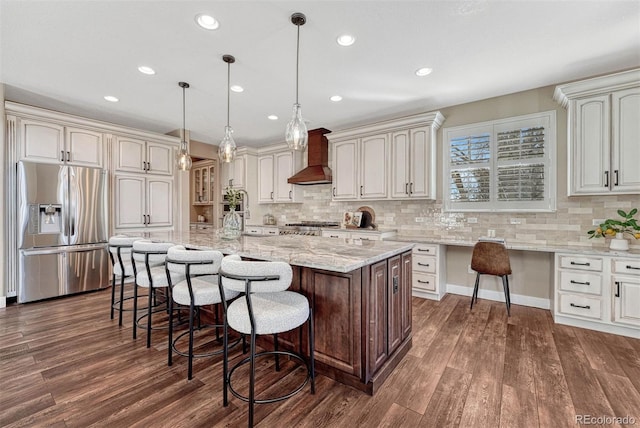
column 64, row 363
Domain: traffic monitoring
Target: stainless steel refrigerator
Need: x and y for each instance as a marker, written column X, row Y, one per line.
column 62, row 235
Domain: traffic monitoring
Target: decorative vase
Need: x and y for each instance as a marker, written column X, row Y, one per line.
column 231, row 224
column 619, row 243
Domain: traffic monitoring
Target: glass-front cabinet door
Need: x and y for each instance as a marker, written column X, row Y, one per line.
column 204, row 192
column 212, row 183
column 197, row 185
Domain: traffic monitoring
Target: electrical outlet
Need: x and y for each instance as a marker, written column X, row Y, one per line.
column 472, row 220
column 514, row 221
column 597, row 221
column 491, row 233
column 419, row 219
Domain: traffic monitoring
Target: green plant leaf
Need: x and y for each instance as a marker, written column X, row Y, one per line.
column 633, row 212
column 622, row 213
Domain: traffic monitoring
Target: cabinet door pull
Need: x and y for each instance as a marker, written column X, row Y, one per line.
column 581, row 264
column 632, row 267
column 423, row 282
column 361, row 190
column 615, row 173
column 334, row 192
column 148, row 166
column 606, row 179
column 579, row 282
column 410, row 189
column 61, row 155
column 424, row 249
column 423, row 264
column 144, row 219
column 290, row 195
column 573, row 305
column 617, row 288
column 68, row 156
column 271, row 195
column 396, row 284
column 406, row 188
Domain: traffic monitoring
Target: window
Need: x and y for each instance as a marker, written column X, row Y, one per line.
column 502, row 165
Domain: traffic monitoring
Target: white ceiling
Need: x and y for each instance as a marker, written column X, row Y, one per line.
column 67, row 55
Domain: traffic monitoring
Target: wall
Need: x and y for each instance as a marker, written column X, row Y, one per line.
column 568, row 225
column 3, row 144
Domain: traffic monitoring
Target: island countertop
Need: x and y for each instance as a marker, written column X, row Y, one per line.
column 331, row 254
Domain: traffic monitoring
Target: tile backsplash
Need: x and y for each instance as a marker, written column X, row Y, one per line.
column 568, row 225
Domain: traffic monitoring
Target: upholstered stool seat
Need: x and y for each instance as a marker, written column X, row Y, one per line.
column 267, row 307
column 193, row 280
column 491, row 258
column 148, row 265
column 122, row 267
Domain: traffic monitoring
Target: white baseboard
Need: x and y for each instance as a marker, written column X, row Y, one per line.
column 598, row 326
column 498, row 296
column 3, row 301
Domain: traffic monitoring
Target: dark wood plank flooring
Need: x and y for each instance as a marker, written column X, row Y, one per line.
column 64, row 363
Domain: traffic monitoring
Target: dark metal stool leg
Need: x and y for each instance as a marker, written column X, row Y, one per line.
column 474, row 296
column 121, row 300
column 275, row 348
column 149, row 307
column 507, row 298
column 170, row 334
column 191, row 314
column 113, row 293
column 135, row 310
column 252, row 377
column 311, row 350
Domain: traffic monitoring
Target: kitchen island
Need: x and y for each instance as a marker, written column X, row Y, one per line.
column 360, row 292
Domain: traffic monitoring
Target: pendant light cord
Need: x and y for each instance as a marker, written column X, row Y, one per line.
column 228, row 90
column 297, row 61
column 184, row 128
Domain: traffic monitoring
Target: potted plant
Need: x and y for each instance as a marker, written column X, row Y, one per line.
column 616, row 229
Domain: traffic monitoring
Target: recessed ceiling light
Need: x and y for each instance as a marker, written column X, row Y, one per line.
column 346, row 40
column 423, row 71
column 236, row 88
column 146, row 70
column 111, row 98
column 207, row 22
column 336, row 98
column 272, row 117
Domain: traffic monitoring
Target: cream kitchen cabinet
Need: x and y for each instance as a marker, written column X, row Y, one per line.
column 234, row 172
column 387, row 160
column 603, row 133
column 140, row 156
column 428, row 271
column 360, row 168
column 413, row 167
column 56, row 143
column 143, row 202
column 626, row 283
column 273, row 172
column 203, row 183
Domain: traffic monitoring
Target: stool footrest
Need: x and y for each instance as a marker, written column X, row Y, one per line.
column 273, row 399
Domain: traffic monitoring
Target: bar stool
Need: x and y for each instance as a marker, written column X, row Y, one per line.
column 491, row 258
column 149, row 272
column 198, row 287
column 267, row 308
column 120, row 254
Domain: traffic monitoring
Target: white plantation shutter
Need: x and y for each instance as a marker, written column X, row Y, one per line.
column 503, row 165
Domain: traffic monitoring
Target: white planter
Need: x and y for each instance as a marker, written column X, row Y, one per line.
column 619, row 243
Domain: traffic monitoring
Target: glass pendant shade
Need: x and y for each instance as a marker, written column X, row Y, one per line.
column 183, row 160
column 296, row 135
column 227, row 148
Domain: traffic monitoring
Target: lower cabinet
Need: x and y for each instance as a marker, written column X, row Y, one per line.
column 428, row 271
column 362, row 320
column 598, row 292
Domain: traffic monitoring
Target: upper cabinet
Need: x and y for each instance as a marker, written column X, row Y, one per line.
column 273, row 172
column 203, row 182
column 387, row 160
column 133, row 155
column 234, row 172
column 603, row 133
column 54, row 143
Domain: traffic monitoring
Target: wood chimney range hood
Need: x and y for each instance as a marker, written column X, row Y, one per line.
column 317, row 170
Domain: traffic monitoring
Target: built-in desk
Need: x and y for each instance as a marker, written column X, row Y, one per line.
column 594, row 288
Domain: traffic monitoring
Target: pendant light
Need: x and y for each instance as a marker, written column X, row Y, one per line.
column 182, row 158
column 227, row 149
column 296, row 135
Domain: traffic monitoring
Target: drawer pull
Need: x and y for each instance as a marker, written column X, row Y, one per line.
column 573, row 305
column 423, row 282
column 334, row 236
column 632, row 267
column 423, row 264
column 579, row 282
column 581, row 264
column 426, row 250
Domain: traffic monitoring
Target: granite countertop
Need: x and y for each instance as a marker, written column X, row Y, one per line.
column 525, row 246
column 329, row 254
